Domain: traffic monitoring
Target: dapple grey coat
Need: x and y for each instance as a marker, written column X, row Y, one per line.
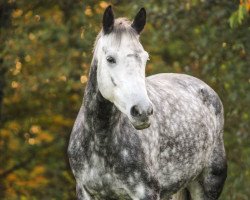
column 181, row 152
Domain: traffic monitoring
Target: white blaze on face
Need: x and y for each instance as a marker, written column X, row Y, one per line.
column 121, row 71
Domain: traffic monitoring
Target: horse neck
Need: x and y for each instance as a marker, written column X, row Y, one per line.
column 100, row 114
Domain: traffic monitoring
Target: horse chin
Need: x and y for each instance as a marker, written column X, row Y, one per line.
column 141, row 126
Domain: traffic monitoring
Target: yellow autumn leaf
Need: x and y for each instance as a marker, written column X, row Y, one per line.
column 60, row 120
column 88, row 11
column 35, row 129
column 103, row 4
column 5, row 133
column 84, row 79
column 11, row 177
column 14, row 126
column 44, row 137
column 246, row 3
column 15, row 84
column 37, row 170
column 17, row 13
column 32, row 141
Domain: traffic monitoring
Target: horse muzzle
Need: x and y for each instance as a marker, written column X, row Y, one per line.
column 141, row 116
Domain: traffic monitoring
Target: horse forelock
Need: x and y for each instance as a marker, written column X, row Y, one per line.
column 122, row 27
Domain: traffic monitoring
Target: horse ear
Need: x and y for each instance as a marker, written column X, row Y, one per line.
column 139, row 21
column 108, row 20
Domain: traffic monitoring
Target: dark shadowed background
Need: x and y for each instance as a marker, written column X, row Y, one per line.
column 45, row 54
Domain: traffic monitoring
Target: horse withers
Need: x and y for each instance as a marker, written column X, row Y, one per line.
column 138, row 138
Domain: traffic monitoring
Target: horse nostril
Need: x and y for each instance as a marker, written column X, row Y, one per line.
column 135, row 112
column 150, row 111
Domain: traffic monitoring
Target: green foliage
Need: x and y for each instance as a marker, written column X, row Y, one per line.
column 241, row 14
column 45, row 53
column 238, row 16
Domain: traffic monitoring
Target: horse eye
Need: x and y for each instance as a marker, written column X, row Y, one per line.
column 111, row 60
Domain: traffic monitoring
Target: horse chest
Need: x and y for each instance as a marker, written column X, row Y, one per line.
column 102, row 181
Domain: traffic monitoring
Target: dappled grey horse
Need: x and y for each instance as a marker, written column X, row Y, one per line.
column 138, row 138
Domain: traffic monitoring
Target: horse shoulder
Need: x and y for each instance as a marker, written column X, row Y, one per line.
column 182, row 84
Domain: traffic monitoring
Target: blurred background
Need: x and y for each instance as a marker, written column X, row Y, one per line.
column 45, row 54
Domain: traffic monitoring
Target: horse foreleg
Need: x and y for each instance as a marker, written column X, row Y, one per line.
column 209, row 184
